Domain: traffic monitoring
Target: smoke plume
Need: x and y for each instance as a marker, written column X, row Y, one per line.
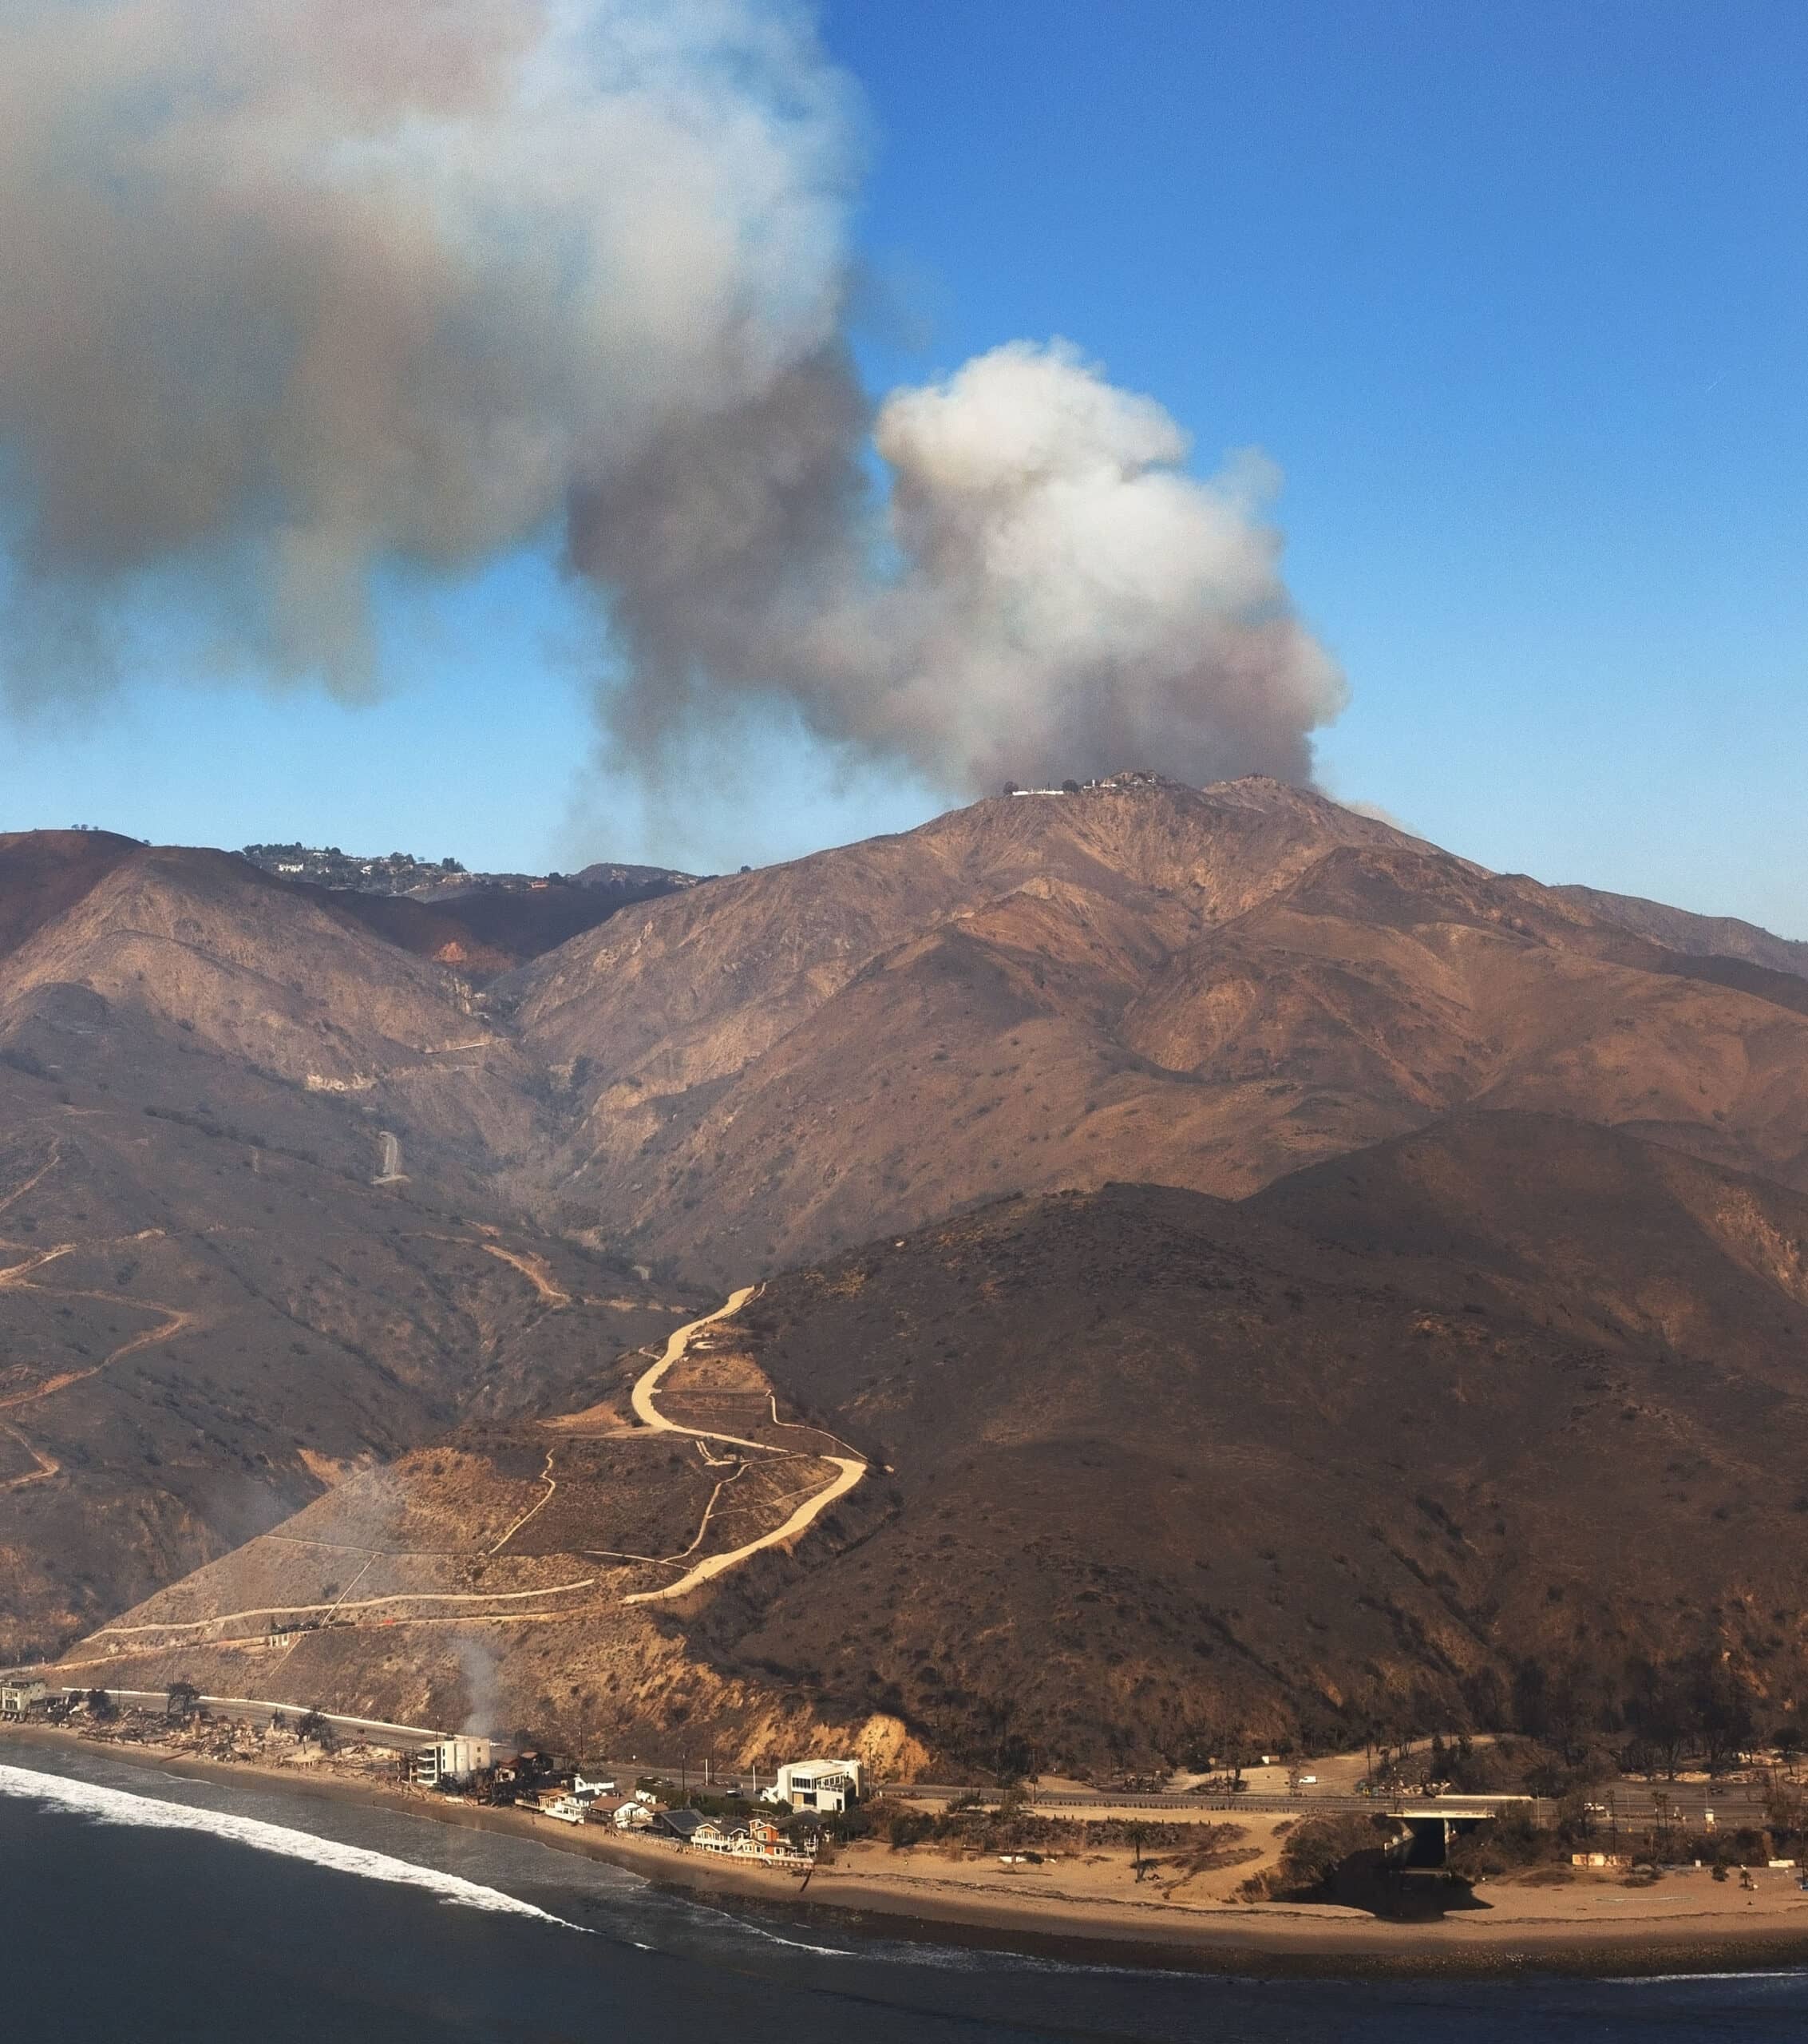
column 302, row 299
column 482, row 1717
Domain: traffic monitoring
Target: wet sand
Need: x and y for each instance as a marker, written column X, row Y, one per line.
column 1688, row 1923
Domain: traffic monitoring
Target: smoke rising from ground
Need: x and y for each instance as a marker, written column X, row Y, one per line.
column 483, row 1691
column 304, row 298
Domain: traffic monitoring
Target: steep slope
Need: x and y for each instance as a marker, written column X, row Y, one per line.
column 1165, row 1468
column 200, row 1330
column 1206, row 988
column 1511, row 1407
column 690, row 989
column 1700, row 937
column 871, row 996
column 189, row 980
column 1609, row 1238
column 480, row 931
column 530, row 1575
column 43, row 873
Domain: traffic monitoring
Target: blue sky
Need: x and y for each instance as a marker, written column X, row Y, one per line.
column 1514, row 296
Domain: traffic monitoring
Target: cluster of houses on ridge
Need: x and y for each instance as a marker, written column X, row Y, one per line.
column 1109, row 784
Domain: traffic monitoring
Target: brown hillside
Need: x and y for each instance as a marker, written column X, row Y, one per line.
column 482, row 931
column 1165, row 1467
column 1511, row 1405
column 200, row 1330
column 1606, row 1236
column 1206, row 988
column 1718, row 937
column 499, row 1578
column 190, row 980
column 690, row 987
column 43, row 873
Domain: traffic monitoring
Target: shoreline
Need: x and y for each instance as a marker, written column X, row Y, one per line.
column 1301, row 1940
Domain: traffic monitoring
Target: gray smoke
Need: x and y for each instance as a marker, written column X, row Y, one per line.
column 482, row 1715
column 304, row 299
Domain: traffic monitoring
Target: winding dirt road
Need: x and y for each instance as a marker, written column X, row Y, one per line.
column 848, row 1470
column 190, row 1627
column 18, row 1277
column 540, row 1504
column 536, row 1271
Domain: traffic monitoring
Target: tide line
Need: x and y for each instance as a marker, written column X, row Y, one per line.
column 114, row 1806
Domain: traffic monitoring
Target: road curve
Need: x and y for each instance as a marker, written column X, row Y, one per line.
column 849, row 1471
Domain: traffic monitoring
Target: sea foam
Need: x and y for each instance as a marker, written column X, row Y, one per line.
column 100, row 1805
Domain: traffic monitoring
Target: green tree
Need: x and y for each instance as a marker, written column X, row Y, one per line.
column 314, row 1725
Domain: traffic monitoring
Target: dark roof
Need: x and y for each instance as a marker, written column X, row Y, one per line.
column 683, row 1822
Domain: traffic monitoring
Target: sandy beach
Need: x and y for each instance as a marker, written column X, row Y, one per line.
column 1091, row 1905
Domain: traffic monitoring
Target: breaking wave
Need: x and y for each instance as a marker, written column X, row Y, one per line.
column 99, row 1805
column 1747, row 1976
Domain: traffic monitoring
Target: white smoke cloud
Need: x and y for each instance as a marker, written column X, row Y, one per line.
column 302, row 296
column 1072, row 599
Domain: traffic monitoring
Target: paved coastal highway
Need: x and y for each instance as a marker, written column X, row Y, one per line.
column 1628, row 1805
column 1632, row 1805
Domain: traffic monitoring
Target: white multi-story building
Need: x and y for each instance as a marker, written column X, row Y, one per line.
column 19, row 1693
column 825, row 1785
column 449, row 1760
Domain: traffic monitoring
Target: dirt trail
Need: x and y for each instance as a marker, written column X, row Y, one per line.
column 37, row 1177
column 17, row 1276
column 178, row 1323
column 16, row 1273
column 848, row 1470
column 48, row 1465
column 552, row 1483
column 534, row 1269
column 362, row 1604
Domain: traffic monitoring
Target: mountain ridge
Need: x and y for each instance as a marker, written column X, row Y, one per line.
column 1153, row 1472
column 1042, row 1030
column 1206, row 987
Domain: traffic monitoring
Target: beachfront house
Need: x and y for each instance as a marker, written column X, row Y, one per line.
column 828, row 1787
column 445, row 1762
column 684, row 1825
column 21, row 1695
column 762, row 1839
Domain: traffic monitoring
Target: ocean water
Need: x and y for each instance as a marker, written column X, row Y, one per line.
column 141, row 1909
